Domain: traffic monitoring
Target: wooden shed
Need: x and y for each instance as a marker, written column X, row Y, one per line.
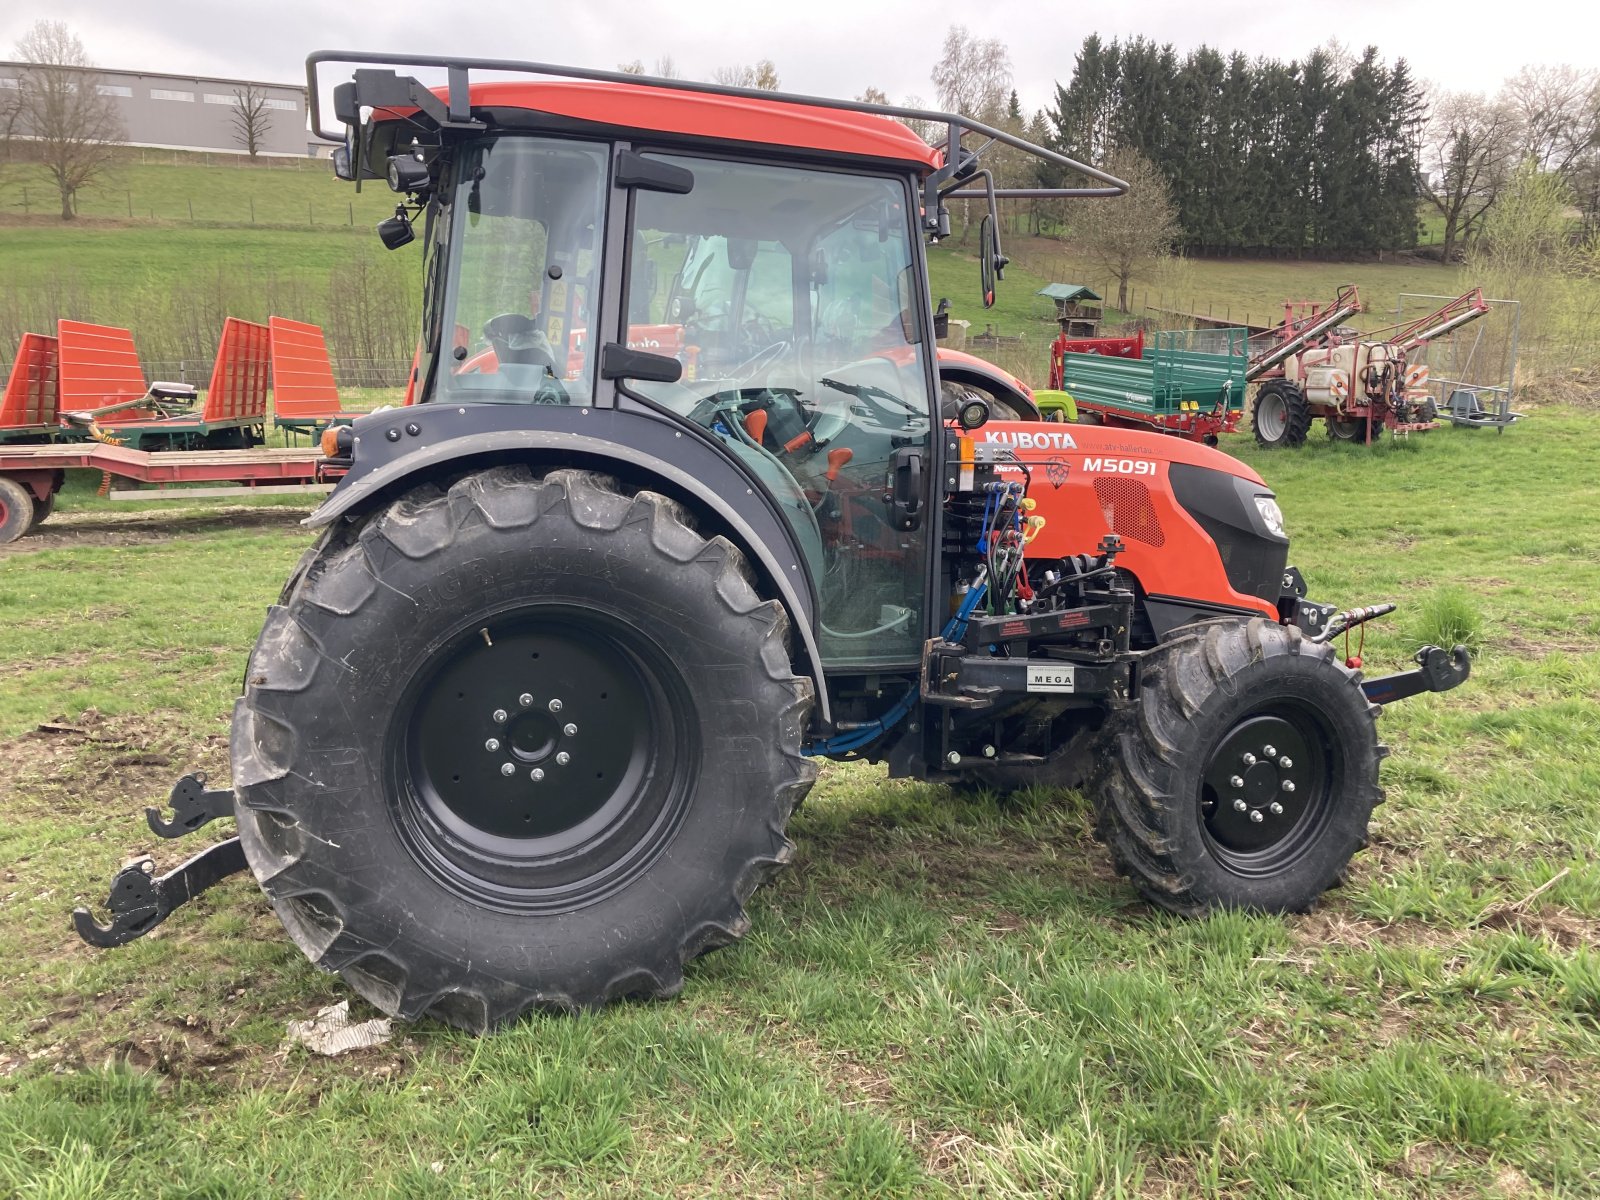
column 1078, row 309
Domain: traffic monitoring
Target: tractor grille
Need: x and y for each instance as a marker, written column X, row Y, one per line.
column 1127, row 508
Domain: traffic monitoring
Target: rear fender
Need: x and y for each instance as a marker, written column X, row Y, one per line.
column 401, row 448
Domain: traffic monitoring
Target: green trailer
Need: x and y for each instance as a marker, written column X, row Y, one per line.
column 1189, row 382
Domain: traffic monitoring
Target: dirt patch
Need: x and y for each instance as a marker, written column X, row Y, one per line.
column 94, row 757
column 105, row 528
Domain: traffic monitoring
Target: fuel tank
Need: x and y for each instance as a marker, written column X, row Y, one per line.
column 1199, row 526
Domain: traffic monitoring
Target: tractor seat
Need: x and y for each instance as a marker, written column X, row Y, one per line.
column 173, row 391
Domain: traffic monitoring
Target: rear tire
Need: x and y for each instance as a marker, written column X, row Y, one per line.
column 1180, row 760
column 1280, row 416
column 16, row 510
column 653, row 748
column 42, row 510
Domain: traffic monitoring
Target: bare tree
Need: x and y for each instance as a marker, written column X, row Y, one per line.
column 1553, row 108
column 763, row 75
column 1129, row 234
column 1469, row 150
column 60, row 105
column 973, row 75
column 873, row 95
column 251, row 118
column 665, row 68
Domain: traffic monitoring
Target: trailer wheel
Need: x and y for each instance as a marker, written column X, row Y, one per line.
column 1346, row 429
column 1280, row 416
column 1245, row 773
column 16, row 510
column 41, row 510
column 525, row 743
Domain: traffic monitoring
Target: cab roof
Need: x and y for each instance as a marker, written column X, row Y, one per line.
column 705, row 115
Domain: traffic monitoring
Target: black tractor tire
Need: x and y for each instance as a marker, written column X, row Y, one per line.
column 1280, row 416
column 16, row 510
column 953, row 395
column 467, row 833
column 42, row 510
column 1193, row 806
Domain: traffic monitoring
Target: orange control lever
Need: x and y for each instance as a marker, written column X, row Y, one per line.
column 837, row 460
column 755, row 424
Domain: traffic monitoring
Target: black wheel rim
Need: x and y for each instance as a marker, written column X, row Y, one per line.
column 1268, row 788
column 1344, row 430
column 542, row 758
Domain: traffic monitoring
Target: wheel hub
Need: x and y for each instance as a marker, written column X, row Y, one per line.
column 1263, row 787
column 535, row 752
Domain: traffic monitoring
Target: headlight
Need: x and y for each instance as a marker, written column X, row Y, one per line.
column 1272, row 515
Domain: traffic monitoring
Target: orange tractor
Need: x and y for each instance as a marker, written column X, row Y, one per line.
column 527, row 723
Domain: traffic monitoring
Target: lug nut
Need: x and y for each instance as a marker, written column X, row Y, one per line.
column 492, row 745
column 507, row 769
column 988, row 751
column 1269, row 752
column 555, row 705
column 500, row 716
column 1286, row 762
column 570, row 729
column 563, row 759
column 1239, row 805
column 1257, row 817
column 953, row 758
column 536, row 774
column 1237, row 781
column 1249, row 759
column 1288, row 785
column 525, row 699
column 1276, row 808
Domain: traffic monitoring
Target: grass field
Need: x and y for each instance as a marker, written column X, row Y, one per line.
column 939, row 997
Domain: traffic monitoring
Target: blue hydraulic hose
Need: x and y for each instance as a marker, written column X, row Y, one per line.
column 843, row 743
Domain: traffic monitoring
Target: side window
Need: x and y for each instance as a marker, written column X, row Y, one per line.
column 783, row 292
column 525, row 222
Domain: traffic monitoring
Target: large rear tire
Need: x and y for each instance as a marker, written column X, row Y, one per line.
column 527, row 743
column 1280, row 416
column 1244, row 774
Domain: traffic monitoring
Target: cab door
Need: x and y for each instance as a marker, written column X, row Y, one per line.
column 792, row 296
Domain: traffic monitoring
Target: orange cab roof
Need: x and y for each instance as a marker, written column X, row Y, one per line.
column 702, row 114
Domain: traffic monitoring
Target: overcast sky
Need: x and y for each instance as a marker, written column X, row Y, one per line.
column 826, row 47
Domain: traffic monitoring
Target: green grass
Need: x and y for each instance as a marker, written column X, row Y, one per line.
column 941, row 996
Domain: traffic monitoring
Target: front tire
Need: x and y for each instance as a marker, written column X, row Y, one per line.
column 528, row 743
column 1280, row 416
column 1192, row 804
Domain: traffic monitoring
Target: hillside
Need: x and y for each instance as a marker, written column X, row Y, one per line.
column 286, row 236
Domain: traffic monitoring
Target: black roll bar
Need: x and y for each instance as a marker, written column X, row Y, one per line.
column 959, row 164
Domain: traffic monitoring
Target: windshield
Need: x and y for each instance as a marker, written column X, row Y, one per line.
column 788, row 295
column 526, row 218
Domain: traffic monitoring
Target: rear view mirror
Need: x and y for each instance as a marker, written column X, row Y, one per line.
column 941, row 320
column 343, row 165
column 618, row 362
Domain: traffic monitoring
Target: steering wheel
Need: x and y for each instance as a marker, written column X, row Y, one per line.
column 518, row 341
column 761, row 361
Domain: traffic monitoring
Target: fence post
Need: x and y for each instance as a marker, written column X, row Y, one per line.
column 130, row 204
column 252, row 210
column 310, row 220
column 191, row 208
column 25, row 208
column 352, row 204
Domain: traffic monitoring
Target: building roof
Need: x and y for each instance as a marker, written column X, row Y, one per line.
column 193, row 78
column 701, row 114
column 1068, row 291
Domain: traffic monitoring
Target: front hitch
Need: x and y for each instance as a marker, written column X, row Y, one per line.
column 1437, row 671
column 140, row 899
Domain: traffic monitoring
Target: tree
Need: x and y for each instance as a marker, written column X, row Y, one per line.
column 973, row 75
column 251, row 118
column 665, row 68
column 873, row 95
column 1553, row 108
column 60, row 105
column 1468, row 151
column 1128, row 234
column 763, row 75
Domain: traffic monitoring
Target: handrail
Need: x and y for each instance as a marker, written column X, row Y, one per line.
column 957, row 163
